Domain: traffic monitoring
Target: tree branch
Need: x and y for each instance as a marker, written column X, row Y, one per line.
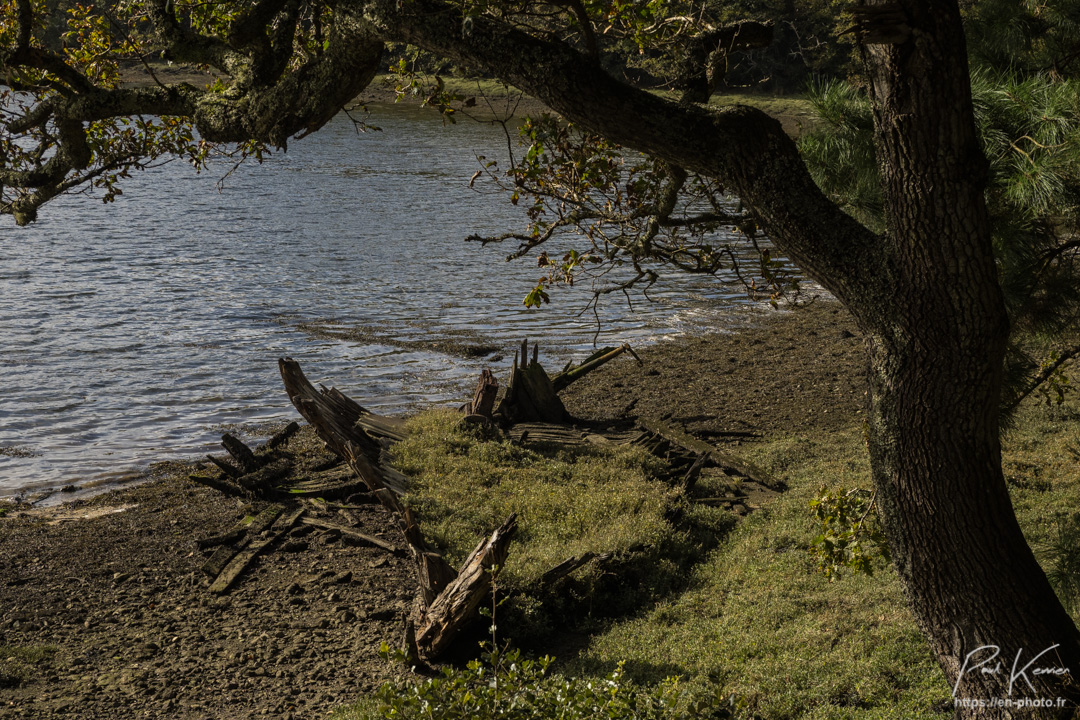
column 743, row 147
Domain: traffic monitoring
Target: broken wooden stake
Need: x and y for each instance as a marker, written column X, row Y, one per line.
column 456, row 606
column 281, row 437
column 483, row 402
column 241, row 453
column 594, row 361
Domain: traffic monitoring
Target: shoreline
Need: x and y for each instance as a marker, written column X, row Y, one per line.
column 118, row 594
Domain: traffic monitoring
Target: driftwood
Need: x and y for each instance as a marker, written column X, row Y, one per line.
column 530, row 396
column 483, row 402
column 226, row 467
column 241, row 453
column 531, row 412
column 281, row 436
column 723, row 459
column 334, row 417
column 245, row 532
column 458, row 603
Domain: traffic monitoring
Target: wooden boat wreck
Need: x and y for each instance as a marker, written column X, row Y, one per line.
column 527, row 411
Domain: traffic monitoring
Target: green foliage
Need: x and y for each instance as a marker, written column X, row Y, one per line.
column 840, row 151
column 1030, row 132
column 850, row 536
column 1057, row 385
column 624, row 216
column 1024, row 36
column 753, row 608
column 96, row 40
column 503, row 685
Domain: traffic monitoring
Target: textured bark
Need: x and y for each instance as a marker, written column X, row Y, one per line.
column 936, row 357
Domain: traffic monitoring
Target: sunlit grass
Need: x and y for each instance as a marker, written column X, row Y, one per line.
column 754, row 616
column 569, row 502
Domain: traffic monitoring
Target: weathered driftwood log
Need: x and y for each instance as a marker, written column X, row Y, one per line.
column 456, row 606
column 530, row 396
column 226, row 467
column 334, row 417
column 261, row 481
column 245, row 532
column 597, row 359
column 723, row 459
column 351, row 532
column 240, row 562
column 281, row 437
column 330, row 412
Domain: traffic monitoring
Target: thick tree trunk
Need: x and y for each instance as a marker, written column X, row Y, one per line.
column 982, row 600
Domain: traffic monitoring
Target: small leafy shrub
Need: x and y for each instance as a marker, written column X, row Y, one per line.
column 504, row 686
column 850, row 536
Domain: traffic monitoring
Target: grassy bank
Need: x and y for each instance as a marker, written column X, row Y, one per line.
column 754, row 616
column 761, row 621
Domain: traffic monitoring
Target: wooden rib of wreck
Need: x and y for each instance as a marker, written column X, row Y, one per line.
column 528, row 411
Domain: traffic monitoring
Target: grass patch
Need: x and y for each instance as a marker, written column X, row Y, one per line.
column 761, row 621
column 21, row 664
column 570, row 501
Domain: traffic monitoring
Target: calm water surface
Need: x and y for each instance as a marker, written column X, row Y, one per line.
column 133, row 332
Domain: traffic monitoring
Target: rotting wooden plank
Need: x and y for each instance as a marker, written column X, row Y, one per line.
column 246, row 531
column 333, row 414
column 262, row 479
column 239, row 563
column 281, row 437
column 564, row 568
column 391, row 428
column 483, row 402
column 241, row 453
column 351, row 532
column 691, row 476
column 722, row 458
column 594, row 361
column 226, row 467
column 225, row 538
column 223, row 486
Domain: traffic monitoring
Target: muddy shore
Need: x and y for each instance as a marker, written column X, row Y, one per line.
column 109, row 590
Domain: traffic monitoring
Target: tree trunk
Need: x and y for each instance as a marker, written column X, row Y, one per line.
column 936, row 355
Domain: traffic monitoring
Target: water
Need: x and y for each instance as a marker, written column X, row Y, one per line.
column 133, row 332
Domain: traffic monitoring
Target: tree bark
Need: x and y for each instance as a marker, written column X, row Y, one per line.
column 936, row 356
